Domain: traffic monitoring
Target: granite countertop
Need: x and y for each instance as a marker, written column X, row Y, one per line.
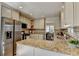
column 56, row 45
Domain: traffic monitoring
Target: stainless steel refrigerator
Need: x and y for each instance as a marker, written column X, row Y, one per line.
column 11, row 32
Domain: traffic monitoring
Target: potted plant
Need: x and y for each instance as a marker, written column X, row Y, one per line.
column 73, row 43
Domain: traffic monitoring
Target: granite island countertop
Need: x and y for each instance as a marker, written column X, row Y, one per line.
column 56, row 45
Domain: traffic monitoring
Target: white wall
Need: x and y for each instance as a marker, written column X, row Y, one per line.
column 54, row 21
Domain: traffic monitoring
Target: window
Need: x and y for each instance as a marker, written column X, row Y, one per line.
column 70, row 30
column 50, row 28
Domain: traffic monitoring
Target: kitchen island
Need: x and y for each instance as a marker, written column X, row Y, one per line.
column 31, row 47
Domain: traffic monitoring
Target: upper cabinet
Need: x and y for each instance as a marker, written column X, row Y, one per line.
column 76, row 13
column 68, row 13
column 62, row 18
column 39, row 24
column 25, row 20
column 15, row 15
column 6, row 12
column 0, row 12
column 9, row 13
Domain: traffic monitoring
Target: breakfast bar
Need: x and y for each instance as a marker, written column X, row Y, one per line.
column 56, row 47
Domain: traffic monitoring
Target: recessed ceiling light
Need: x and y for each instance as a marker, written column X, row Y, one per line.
column 62, row 6
column 20, row 7
column 30, row 13
column 42, row 16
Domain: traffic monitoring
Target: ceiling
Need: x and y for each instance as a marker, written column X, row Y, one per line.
column 38, row 9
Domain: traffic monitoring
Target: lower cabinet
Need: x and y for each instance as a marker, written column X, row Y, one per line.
column 43, row 52
column 23, row 50
column 27, row 51
column 37, row 36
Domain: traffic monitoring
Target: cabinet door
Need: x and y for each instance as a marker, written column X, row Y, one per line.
column 24, row 50
column 15, row 15
column 39, row 24
column 36, row 23
column 43, row 52
column 76, row 13
column 18, row 50
column 6, row 12
column 68, row 13
column 27, row 50
column 62, row 18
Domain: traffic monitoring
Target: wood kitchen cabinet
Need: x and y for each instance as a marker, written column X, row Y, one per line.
column 39, row 24
column 62, row 18
column 10, row 13
column 15, row 15
column 23, row 50
column 76, row 13
column 6, row 12
column 26, row 50
column 43, row 52
column 68, row 13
